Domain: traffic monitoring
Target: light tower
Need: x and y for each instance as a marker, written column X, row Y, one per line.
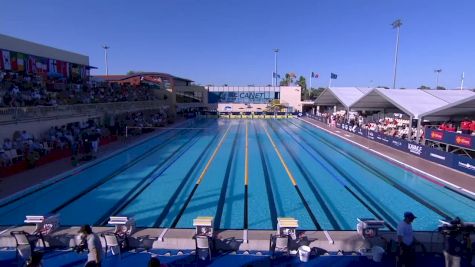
column 106, row 47
column 396, row 25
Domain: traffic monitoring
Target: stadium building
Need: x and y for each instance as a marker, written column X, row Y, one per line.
column 54, row 67
column 254, row 98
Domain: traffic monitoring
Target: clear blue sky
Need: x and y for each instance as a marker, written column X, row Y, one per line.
column 231, row 41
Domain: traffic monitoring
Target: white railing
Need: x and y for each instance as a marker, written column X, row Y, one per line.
column 17, row 114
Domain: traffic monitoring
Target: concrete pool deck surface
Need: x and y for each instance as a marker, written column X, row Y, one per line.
column 457, row 178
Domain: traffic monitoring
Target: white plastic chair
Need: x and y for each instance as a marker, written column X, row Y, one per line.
column 280, row 243
column 112, row 243
column 202, row 243
column 23, row 247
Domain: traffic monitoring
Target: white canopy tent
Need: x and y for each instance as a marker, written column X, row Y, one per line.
column 464, row 107
column 414, row 103
column 342, row 97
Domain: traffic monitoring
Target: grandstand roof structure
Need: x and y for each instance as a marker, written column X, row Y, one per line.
column 461, row 108
column 344, row 96
column 414, row 102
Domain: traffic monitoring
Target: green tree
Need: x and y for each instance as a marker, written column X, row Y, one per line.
column 130, row 72
column 382, row 86
column 304, row 93
column 314, row 93
column 440, row 88
column 288, row 79
column 423, row 87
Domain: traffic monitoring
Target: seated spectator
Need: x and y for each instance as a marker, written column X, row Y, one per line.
column 466, row 126
column 7, row 144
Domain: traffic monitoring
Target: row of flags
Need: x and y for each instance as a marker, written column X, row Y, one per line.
column 314, row 75
column 16, row 61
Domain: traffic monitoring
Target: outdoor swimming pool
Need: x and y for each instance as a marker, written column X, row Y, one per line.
column 244, row 173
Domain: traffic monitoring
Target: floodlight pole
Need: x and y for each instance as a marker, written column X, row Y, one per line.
column 396, row 25
column 438, row 71
column 106, row 47
column 461, row 83
column 276, row 50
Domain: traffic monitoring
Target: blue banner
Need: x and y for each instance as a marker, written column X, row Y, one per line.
column 464, row 164
column 439, row 156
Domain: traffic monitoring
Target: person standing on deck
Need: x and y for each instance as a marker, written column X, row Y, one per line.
column 406, row 241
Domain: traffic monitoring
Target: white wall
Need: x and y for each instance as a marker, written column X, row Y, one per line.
column 290, row 95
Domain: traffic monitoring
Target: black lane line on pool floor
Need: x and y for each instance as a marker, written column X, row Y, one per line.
column 185, row 180
column 379, row 212
column 304, row 202
column 113, row 155
column 115, row 173
column 380, row 175
column 188, row 200
column 315, row 191
column 224, row 186
column 399, row 165
column 141, row 186
column 270, row 193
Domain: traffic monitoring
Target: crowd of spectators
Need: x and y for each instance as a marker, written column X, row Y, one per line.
column 395, row 127
column 466, row 127
column 80, row 139
column 18, row 90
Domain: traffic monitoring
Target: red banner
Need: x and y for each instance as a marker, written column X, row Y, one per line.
column 463, row 141
column 437, row 135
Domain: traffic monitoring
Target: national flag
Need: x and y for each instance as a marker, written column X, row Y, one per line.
column 20, row 60
column 13, row 61
column 333, row 76
column 275, row 75
column 315, row 75
column 31, row 65
column 7, row 64
column 52, row 66
column 68, row 66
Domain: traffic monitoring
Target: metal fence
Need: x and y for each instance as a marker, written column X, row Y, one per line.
column 17, row 114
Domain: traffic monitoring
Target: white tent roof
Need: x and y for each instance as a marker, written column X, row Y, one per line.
column 411, row 101
column 345, row 96
column 464, row 107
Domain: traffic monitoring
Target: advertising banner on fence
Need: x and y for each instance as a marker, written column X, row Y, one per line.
column 460, row 140
column 439, row 156
column 464, row 164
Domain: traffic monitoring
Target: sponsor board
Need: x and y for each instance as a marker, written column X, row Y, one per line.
column 465, row 164
column 437, row 135
column 463, row 141
column 414, row 149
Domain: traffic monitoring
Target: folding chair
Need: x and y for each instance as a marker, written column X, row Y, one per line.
column 112, row 243
column 202, row 244
column 279, row 243
column 24, row 249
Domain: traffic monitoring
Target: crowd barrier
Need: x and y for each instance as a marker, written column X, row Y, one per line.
column 458, row 162
column 451, row 138
column 17, row 114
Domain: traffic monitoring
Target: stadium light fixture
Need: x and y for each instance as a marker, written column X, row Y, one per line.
column 275, row 76
column 438, row 71
column 106, row 47
column 396, row 25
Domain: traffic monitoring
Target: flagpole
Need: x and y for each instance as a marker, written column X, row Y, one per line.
column 330, row 83
column 461, row 83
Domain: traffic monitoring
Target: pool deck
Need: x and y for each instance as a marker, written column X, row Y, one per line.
column 434, row 172
column 10, row 185
column 229, row 240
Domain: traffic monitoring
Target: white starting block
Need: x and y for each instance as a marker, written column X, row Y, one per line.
column 368, row 227
column 123, row 225
column 287, row 226
column 44, row 224
column 204, row 226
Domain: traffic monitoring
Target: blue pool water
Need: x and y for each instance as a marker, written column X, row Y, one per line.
column 293, row 170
